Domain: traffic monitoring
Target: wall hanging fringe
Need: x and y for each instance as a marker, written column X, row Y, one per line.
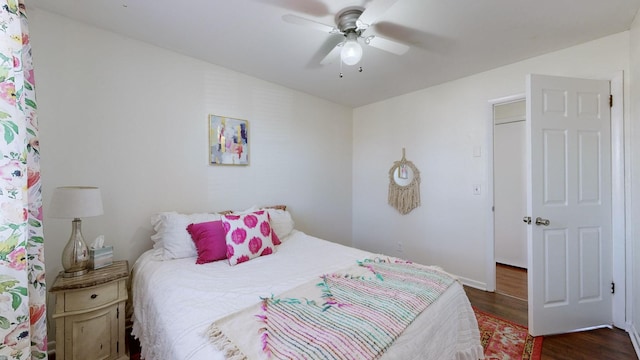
column 404, row 197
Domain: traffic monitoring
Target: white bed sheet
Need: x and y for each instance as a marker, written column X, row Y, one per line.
column 175, row 301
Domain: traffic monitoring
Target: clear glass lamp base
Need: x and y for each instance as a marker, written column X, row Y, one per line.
column 75, row 256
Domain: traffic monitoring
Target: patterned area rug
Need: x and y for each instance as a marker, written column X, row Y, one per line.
column 502, row 339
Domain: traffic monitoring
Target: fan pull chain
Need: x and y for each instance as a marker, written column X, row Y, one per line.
column 360, row 69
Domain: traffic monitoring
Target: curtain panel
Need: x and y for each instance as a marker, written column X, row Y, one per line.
column 22, row 275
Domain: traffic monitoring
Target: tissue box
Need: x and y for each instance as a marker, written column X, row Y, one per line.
column 99, row 258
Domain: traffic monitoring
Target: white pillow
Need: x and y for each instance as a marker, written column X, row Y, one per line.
column 252, row 208
column 171, row 240
column 281, row 222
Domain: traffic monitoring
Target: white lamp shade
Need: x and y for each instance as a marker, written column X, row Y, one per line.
column 71, row 202
column 351, row 52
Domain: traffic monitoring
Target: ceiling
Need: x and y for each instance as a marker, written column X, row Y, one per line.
column 449, row 39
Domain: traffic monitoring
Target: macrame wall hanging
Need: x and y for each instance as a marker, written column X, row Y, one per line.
column 404, row 185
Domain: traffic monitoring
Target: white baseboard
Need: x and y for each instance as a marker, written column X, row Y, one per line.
column 472, row 283
column 635, row 339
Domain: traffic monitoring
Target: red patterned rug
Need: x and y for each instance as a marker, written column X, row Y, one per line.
column 503, row 339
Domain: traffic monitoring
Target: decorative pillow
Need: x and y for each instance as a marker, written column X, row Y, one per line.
column 281, row 222
column 209, row 238
column 171, row 240
column 248, row 236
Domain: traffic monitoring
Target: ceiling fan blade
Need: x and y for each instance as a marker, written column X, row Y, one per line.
column 293, row 19
column 373, row 11
column 387, row 45
column 333, row 55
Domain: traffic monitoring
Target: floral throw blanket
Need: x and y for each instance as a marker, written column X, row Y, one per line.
column 352, row 315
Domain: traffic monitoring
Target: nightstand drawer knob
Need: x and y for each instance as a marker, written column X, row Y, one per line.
column 94, row 296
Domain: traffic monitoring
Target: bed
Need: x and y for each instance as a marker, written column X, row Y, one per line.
column 176, row 301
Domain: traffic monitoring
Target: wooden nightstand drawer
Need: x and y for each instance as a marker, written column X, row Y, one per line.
column 90, row 298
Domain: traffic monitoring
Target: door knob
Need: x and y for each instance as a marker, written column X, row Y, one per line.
column 527, row 220
column 541, row 221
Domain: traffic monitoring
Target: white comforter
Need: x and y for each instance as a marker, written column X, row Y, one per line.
column 175, row 301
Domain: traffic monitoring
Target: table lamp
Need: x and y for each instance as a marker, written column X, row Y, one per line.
column 75, row 202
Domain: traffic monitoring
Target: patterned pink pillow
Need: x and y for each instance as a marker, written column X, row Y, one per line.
column 248, row 236
column 209, row 238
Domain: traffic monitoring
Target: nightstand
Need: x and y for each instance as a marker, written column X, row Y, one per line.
column 90, row 314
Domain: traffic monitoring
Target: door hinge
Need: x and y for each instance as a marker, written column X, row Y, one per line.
column 117, row 346
column 118, row 313
column 610, row 100
column 613, row 287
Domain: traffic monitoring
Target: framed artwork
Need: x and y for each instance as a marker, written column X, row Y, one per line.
column 228, row 141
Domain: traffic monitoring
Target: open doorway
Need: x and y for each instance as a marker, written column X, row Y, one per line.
column 619, row 216
column 510, row 198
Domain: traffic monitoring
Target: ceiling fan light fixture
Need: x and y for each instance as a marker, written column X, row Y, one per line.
column 351, row 52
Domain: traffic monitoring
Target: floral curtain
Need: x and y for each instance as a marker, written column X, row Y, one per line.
column 23, row 326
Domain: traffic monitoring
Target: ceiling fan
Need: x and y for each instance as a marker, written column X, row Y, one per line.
column 352, row 23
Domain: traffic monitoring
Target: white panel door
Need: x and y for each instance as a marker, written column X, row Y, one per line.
column 569, row 184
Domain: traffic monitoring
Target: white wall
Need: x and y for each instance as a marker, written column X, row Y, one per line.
column 439, row 127
column 633, row 219
column 131, row 118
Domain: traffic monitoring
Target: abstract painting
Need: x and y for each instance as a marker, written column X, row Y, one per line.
column 228, row 141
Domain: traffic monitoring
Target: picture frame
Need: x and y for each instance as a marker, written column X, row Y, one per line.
column 228, row 141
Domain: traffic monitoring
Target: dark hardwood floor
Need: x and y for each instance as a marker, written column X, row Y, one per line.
column 600, row 344
column 511, row 280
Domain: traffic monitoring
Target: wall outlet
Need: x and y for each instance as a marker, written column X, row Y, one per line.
column 399, row 248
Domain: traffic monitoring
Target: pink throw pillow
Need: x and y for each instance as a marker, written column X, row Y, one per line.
column 248, row 236
column 209, row 238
